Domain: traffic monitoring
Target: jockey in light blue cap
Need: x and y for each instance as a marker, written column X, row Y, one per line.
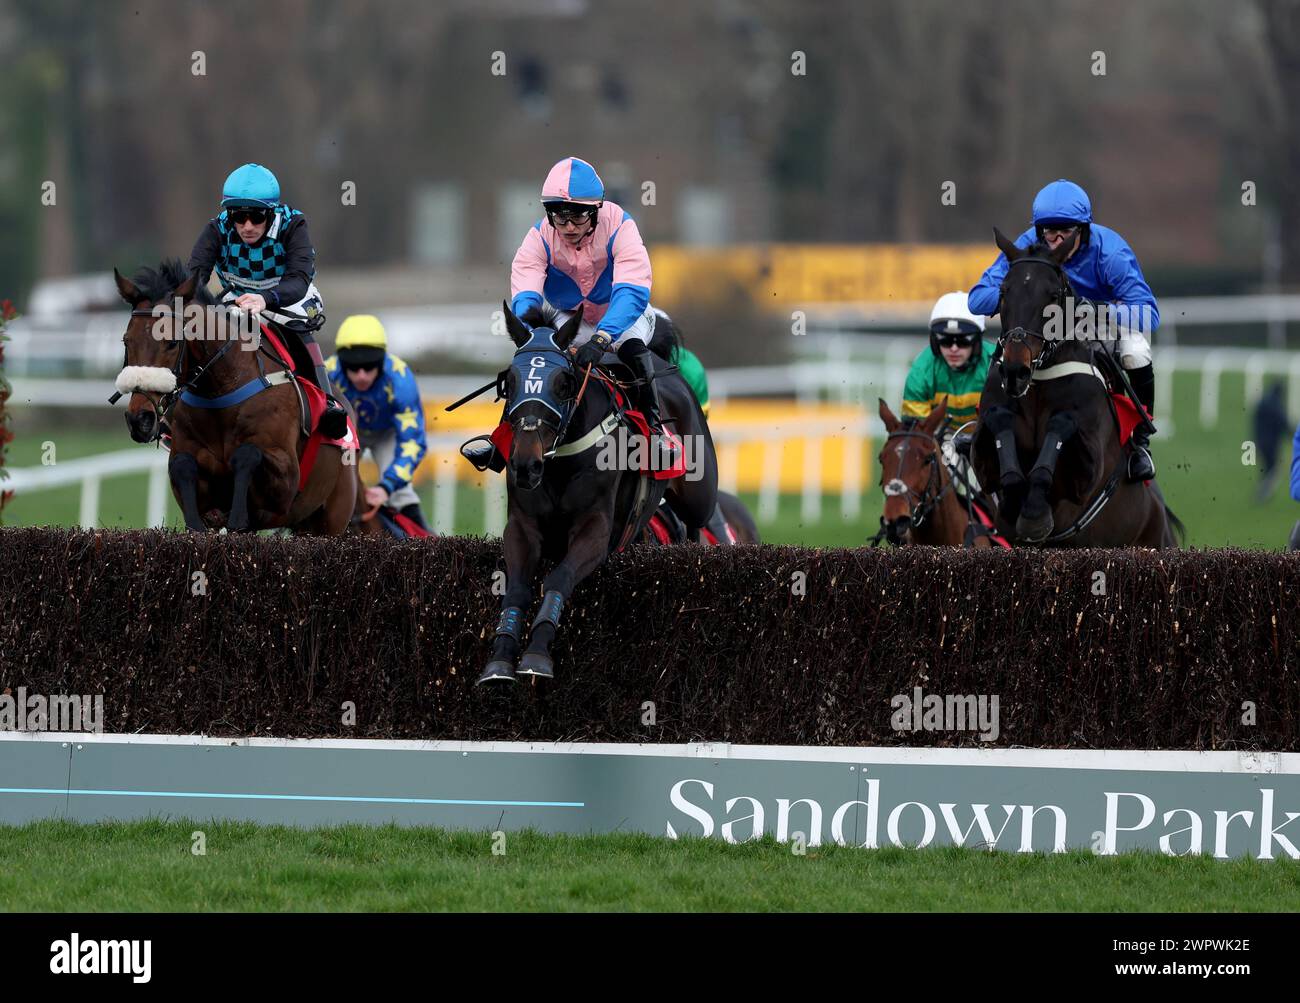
column 265, row 262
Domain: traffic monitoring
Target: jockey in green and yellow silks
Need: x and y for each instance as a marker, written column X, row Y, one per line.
column 952, row 367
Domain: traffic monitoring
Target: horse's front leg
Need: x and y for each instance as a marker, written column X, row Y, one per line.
column 183, row 469
column 588, row 548
column 1035, row 522
column 243, row 461
column 522, row 543
column 1000, row 424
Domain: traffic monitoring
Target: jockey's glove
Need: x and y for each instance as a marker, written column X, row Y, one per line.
column 591, row 353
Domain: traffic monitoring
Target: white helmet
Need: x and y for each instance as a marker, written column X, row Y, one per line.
column 951, row 315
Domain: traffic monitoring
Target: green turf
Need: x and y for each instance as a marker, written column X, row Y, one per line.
column 150, row 866
column 1201, row 471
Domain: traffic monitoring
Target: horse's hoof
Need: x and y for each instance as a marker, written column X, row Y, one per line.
column 536, row 663
column 497, row 670
column 1030, row 530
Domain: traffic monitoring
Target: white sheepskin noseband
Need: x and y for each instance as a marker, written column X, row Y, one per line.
column 149, row 379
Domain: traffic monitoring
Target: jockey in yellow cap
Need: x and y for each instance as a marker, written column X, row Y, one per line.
column 390, row 417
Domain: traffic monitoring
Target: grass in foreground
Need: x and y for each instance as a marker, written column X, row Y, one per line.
column 149, row 866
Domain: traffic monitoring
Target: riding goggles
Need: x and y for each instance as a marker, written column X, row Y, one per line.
column 566, row 217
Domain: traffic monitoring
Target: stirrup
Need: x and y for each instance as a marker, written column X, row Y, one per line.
column 667, row 447
column 1135, row 458
column 482, row 452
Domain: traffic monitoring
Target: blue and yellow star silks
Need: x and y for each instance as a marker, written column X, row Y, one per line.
column 391, row 404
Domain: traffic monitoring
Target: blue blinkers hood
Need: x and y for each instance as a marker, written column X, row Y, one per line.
column 535, row 364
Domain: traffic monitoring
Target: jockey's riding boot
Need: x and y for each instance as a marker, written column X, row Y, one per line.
column 412, row 512
column 1141, row 467
column 333, row 422
column 636, row 356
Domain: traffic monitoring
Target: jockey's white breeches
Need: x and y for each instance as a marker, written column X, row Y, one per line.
column 642, row 329
column 1134, row 350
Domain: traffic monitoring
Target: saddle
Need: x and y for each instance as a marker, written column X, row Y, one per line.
column 311, row 405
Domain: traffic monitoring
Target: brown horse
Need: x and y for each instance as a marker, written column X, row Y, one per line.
column 235, row 466
column 921, row 505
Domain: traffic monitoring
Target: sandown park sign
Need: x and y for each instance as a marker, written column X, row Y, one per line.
column 787, row 276
column 1218, row 804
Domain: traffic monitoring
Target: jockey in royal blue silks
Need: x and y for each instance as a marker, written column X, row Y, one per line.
column 1103, row 268
column 265, row 262
column 390, row 416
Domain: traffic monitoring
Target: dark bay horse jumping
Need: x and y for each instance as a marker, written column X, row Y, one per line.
column 235, row 465
column 1047, row 409
column 566, row 504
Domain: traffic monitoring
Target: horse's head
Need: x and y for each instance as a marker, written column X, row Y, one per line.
column 1035, row 281
column 910, row 472
column 541, row 385
column 154, row 340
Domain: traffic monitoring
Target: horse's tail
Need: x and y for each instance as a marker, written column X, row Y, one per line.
column 1175, row 523
column 666, row 337
column 1179, row 529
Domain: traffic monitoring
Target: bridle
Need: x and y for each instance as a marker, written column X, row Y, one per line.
column 1021, row 335
column 921, row 503
column 163, row 403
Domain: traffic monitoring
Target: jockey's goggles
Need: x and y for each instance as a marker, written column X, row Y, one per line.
column 257, row 216
column 962, row 339
column 568, row 216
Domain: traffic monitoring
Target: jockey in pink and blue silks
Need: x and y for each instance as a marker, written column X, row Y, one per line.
column 587, row 255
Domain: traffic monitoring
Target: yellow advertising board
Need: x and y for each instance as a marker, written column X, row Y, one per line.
column 786, row 276
column 756, row 440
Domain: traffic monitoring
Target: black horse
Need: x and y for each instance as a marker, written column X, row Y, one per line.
column 566, row 503
column 1047, row 408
